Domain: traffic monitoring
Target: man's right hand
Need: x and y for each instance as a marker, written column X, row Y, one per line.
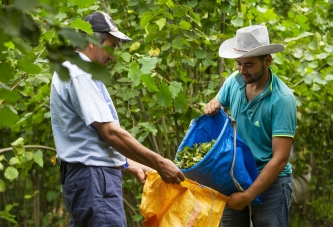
column 213, row 107
column 169, row 172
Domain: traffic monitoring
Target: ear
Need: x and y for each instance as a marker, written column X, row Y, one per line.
column 268, row 60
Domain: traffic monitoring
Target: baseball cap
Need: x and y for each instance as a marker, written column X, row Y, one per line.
column 102, row 22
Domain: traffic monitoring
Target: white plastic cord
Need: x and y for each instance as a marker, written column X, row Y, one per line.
column 238, row 186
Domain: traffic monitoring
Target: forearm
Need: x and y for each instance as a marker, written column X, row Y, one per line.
column 128, row 146
column 281, row 150
column 133, row 166
column 266, row 177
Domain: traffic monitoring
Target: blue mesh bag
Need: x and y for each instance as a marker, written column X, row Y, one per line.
column 223, row 168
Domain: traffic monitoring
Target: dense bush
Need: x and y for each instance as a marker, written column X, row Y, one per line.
column 159, row 82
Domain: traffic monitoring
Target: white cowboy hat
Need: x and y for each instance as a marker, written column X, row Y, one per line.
column 249, row 42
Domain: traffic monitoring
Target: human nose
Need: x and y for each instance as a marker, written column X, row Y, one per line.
column 242, row 69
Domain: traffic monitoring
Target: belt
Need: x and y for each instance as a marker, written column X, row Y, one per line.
column 80, row 165
column 66, row 165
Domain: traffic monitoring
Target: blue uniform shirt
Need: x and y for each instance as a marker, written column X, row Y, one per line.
column 271, row 113
column 75, row 104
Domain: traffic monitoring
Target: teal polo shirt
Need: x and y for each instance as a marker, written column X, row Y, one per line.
column 270, row 114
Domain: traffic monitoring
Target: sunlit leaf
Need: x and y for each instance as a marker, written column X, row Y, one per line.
column 304, row 34
column 237, row 22
column 61, row 16
column 161, row 23
column 7, row 216
column 322, row 55
column 82, row 25
column 301, row 18
column 330, row 61
column 148, row 64
column 14, row 160
column 148, row 81
column 18, row 142
column 11, row 173
column 185, row 25
column 261, row 9
column 126, row 56
column 29, row 155
column 170, row 3
column 135, row 46
column 329, row 77
column 154, row 52
column 38, row 158
column 145, row 19
column 54, row 159
column 134, row 73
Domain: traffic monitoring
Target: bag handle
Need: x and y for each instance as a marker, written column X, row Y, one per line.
column 238, row 186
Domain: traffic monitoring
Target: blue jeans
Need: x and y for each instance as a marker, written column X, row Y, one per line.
column 93, row 196
column 273, row 212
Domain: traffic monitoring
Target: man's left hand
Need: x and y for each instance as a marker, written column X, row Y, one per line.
column 238, row 201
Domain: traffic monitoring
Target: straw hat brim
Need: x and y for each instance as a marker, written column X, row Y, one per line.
column 227, row 50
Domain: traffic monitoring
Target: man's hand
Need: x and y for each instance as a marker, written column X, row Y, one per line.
column 140, row 171
column 213, row 107
column 169, row 172
column 238, row 201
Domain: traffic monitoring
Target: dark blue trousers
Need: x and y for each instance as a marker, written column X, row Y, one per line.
column 93, row 196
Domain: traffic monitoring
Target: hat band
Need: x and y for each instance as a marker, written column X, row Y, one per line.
column 240, row 50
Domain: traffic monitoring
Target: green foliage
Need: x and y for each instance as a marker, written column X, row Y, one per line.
column 190, row 156
column 158, row 83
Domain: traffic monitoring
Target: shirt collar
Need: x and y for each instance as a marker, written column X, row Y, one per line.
column 83, row 56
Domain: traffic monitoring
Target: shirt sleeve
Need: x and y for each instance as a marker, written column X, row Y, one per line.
column 88, row 101
column 284, row 118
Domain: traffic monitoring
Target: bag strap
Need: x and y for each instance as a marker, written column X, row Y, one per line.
column 238, row 186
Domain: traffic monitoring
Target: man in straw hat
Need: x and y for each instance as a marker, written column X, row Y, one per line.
column 265, row 111
column 91, row 145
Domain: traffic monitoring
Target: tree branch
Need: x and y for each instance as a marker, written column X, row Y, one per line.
column 29, row 147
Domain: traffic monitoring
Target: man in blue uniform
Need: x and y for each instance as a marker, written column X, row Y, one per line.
column 90, row 143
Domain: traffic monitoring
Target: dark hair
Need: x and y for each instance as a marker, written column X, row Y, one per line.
column 262, row 57
column 102, row 36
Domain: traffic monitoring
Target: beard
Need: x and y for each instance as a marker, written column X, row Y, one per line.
column 255, row 77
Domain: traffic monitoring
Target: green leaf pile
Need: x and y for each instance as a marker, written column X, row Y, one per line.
column 190, row 156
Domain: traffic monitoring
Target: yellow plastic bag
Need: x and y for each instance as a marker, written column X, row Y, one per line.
column 185, row 205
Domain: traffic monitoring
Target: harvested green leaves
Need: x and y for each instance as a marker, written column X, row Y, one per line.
column 188, row 156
